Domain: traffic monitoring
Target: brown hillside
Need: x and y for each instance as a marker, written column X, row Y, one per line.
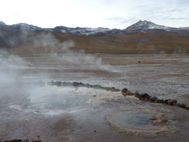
column 150, row 42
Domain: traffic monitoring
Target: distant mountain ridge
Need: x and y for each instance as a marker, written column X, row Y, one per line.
column 140, row 26
column 141, row 37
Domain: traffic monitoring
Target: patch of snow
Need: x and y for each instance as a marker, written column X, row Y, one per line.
column 82, row 31
column 146, row 25
column 2, row 23
column 27, row 27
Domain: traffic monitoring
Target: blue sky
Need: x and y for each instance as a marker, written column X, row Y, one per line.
column 94, row 13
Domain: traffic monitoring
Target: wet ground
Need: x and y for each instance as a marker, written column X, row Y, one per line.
column 36, row 108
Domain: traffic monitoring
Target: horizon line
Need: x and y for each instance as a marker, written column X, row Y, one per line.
column 87, row 26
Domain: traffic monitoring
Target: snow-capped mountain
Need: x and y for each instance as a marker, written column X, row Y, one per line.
column 140, row 26
column 2, row 23
column 145, row 26
column 26, row 27
column 154, row 38
column 81, row 31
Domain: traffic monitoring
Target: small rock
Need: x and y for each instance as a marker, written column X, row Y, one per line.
column 126, row 92
column 181, row 105
column 160, row 101
column 153, row 99
column 144, row 96
column 171, row 102
column 166, row 101
column 15, row 140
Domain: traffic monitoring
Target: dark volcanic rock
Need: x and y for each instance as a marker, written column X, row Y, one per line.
column 126, row 92
column 20, row 140
column 16, row 140
column 171, row 102
column 153, row 99
column 181, row 105
column 80, row 84
column 160, row 101
column 144, row 97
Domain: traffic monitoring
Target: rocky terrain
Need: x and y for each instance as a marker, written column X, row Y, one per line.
column 81, row 84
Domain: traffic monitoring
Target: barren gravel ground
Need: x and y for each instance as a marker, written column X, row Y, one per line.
column 67, row 114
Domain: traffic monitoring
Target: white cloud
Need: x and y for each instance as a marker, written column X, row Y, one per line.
column 94, row 13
